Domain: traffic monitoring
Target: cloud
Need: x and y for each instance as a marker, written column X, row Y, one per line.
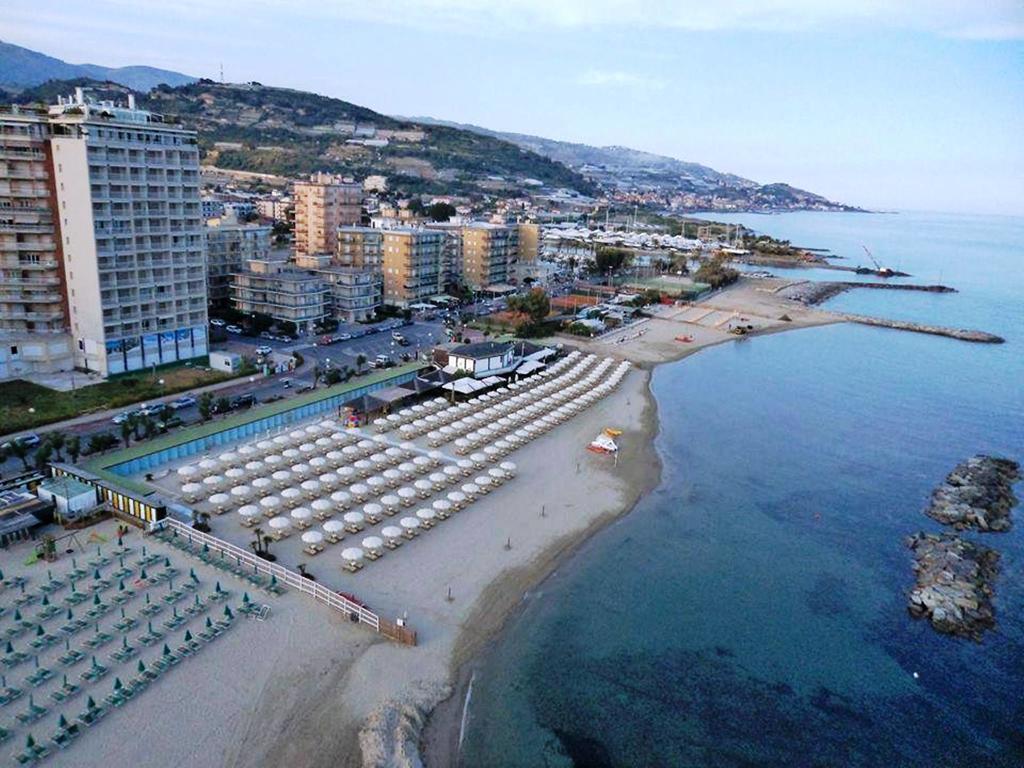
column 970, row 19
column 606, row 78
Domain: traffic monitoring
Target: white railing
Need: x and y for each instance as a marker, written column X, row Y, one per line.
column 284, row 575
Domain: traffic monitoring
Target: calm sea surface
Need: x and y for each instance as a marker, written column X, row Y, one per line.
column 751, row 610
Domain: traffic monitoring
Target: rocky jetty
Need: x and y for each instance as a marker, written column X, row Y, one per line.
column 954, row 584
column 977, row 494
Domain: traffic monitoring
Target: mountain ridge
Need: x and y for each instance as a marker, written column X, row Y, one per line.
column 22, row 67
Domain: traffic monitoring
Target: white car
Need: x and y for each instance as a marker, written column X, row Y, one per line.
column 264, row 350
column 217, row 322
column 233, row 329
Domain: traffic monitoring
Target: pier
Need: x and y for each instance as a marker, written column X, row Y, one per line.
column 978, row 337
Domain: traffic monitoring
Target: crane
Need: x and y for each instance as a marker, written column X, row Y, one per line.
column 879, row 269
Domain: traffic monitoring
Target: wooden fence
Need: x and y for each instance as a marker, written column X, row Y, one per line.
column 296, row 581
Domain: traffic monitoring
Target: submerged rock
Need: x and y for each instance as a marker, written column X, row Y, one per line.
column 954, row 584
column 977, row 494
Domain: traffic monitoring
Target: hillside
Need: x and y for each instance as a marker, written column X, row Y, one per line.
column 252, row 127
column 632, row 170
column 24, row 68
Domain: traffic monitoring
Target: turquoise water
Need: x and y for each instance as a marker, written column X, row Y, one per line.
column 750, row 611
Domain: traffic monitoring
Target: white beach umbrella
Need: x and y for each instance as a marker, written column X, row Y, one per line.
column 456, row 499
column 350, row 451
column 409, row 523
column 220, row 500
column 291, row 496
column 451, row 472
column 235, row 474
column 302, row 470
column 407, row 468
column 390, row 502
column 363, row 467
column 308, row 449
column 466, row 466
column 352, row 554
column 291, row 455
column 423, row 487
column 373, row 543
column 341, row 498
column 297, row 436
column 241, row 492
column 279, row 523
column 324, row 443
column 262, row 484
column 188, row 471
column 472, row 490
column 438, row 480
column 478, row 459
column 213, row 481
column 426, row 513
column 312, row 537
column 192, row 491
column 281, row 441
column 318, row 464
column 281, row 478
column 345, row 474
column 366, row 446
column 254, row 467
column 247, row 452
column 206, row 466
column 376, row 483
column 483, row 482
column 274, row 460
column 508, row 467
column 394, row 453
column 322, row 507
column 441, row 506
column 329, row 480
column 249, row 511
column 391, row 532
column 406, row 495
column 392, row 476
column 270, row 503
column 380, row 460
column 301, row 514
column 422, row 463
column 311, row 488
column 228, row 458
column 335, row 457
column 354, row 518
column 312, row 429
column 333, row 526
column 359, row 491
column 341, row 438
column 373, row 510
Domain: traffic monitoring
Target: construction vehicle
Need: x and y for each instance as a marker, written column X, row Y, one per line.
column 878, row 270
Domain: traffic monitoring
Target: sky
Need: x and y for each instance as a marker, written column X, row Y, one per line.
column 886, row 104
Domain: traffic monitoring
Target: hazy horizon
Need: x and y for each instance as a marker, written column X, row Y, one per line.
column 914, row 108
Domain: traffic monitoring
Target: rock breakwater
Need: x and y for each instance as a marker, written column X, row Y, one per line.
column 953, row 589
column 977, row 494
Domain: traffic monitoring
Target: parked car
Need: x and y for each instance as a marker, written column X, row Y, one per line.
column 233, row 329
column 267, row 335
column 264, row 350
column 285, row 337
column 306, row 388
column 183, row 402
column 243, row 401
column 326, row 340
column 151, row 409
column 343, row 337
column 30, row 440
column 382, row 361
column 174, row 421
column 217, row 322
column 121, row 418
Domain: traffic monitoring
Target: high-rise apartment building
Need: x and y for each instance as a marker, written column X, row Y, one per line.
column 323, row 204
column 529, row 249
column 229, row 245
column 359, row 247
column 126, row 185
column 490, row 253
column 34, row 335
column 412, row 265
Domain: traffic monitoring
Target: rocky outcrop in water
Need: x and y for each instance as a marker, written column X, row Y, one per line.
column 953, row 589
column 977, row 494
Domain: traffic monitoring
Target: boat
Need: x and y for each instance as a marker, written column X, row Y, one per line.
column 603, row 444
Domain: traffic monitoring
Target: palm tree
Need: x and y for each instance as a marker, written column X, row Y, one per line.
column 360, row 361
column 74, row 446
column 318, row 371
column 205, row 406
column 202, row 522
column 19, row 450
column 148, row 426
column 42, row 455
column 126, row 432
column 57, row 441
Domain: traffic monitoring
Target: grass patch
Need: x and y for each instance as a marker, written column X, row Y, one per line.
column 17, row 396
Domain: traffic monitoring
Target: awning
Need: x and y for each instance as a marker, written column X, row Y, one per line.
column 491, row 381
column 466, row 385
column 529, row 367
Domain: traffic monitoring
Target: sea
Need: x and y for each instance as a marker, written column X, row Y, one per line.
column 751, row 610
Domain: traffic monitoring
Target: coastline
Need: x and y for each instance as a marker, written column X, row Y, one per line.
column 504, row 598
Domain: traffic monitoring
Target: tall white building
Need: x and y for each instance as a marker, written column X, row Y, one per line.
column 127, row 195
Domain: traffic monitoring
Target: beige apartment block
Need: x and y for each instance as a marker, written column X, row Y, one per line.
column 490, row 253
column 359, row 247
column 412, row 265
column 323, row 204
column 127, row 194
column 529, row 249
column 274, row 288
column 34, row 335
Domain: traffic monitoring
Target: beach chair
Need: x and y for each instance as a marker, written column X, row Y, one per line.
column 9, row 694
column 353, row 527
column 392, row 543
column 352, row 567
column 65, row 692
column 70, row 657
column 311, row 550
column 333, row 538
